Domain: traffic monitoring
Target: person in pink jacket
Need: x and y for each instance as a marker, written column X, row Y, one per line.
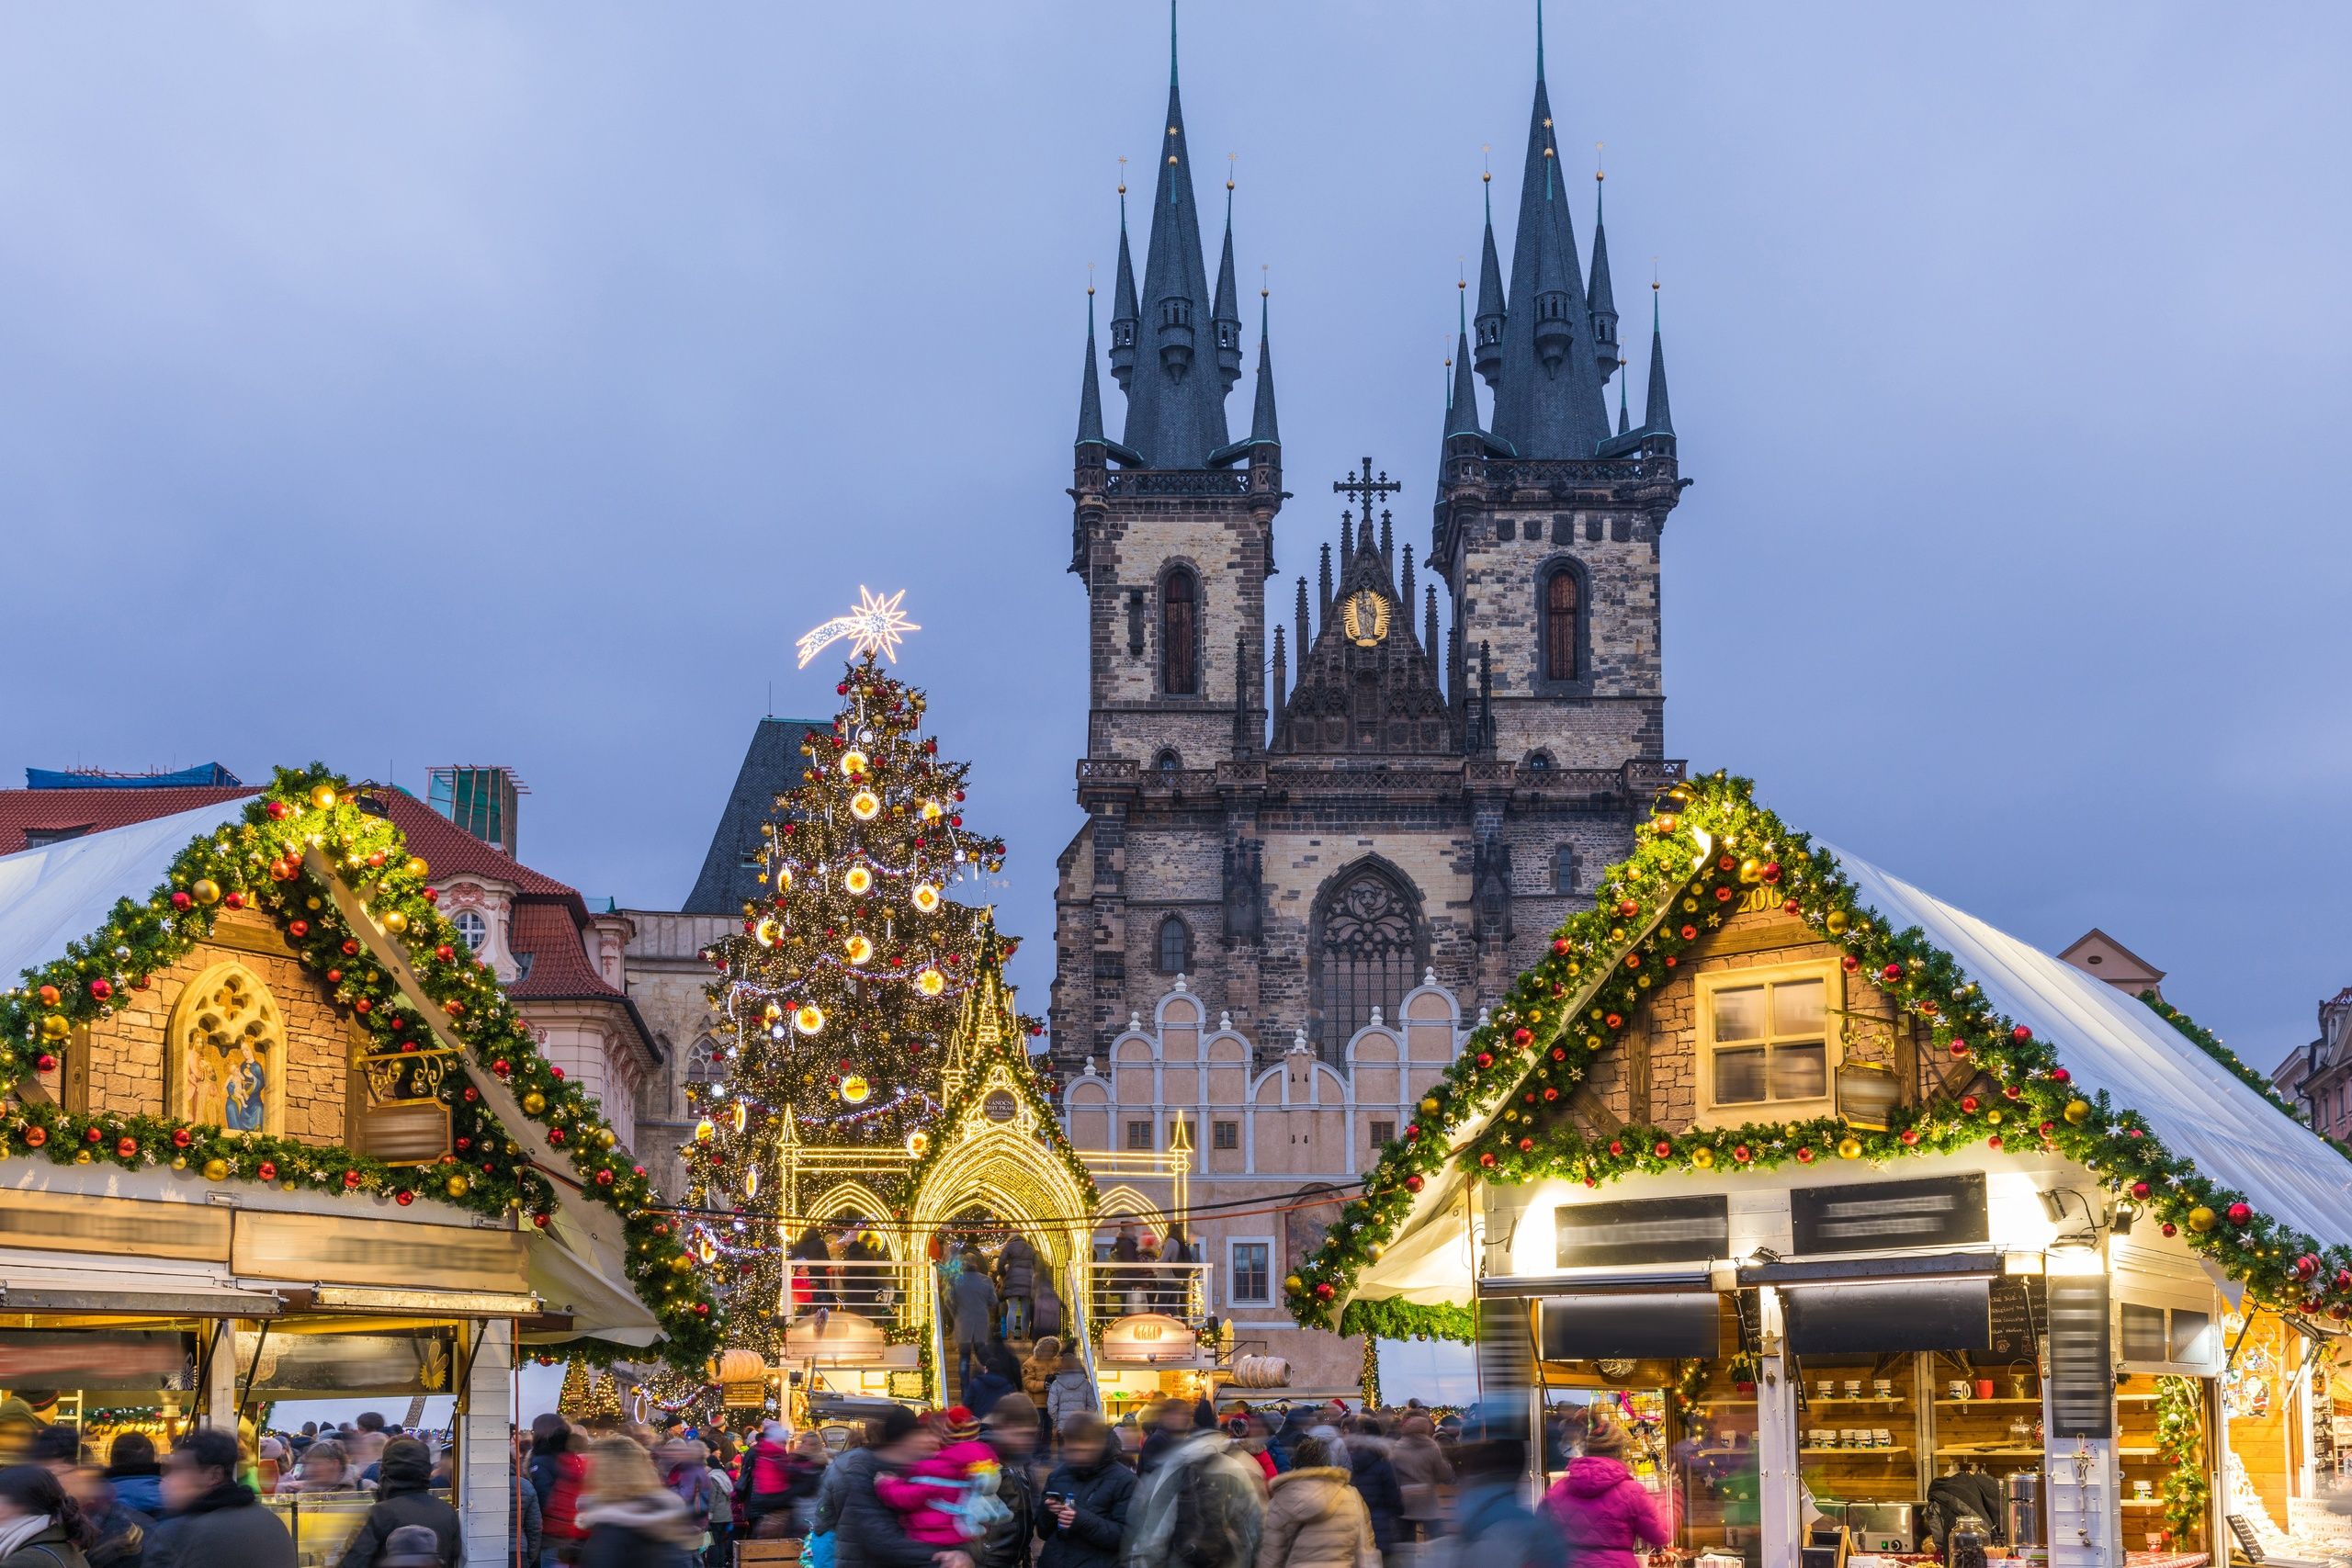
column 1605, row 1516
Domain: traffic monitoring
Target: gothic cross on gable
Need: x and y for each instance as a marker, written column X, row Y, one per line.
column 1363, row 489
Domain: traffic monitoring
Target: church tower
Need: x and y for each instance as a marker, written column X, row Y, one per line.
column 1547, row 524
column 1172, row 536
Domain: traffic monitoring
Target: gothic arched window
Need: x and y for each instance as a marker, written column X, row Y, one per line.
column 703, row 1063
column 1180, row 661
column 1168, row 761
column 1175, row 946
column 1560, row 661
column 1365, row 958
column 1564, row 869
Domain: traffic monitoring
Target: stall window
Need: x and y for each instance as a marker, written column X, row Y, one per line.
column 1766, row 1036
column 1249, row 1266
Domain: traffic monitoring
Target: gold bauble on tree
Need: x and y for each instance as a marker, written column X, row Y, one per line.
column 395, row 922
column 1704, row 1158
column 216, row 1171
column 417, row 868
column 1836, row 922
column 55, row 1026
column 324, row 797
column 534, row 1103
column 2078, row 1111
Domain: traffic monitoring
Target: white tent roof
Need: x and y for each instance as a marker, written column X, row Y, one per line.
column 61, row 893
column 2106, row 1040
column 2193, row 1104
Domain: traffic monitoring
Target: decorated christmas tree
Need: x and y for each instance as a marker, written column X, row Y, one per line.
column 839, row 995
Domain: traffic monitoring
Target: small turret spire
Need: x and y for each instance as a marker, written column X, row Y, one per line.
column 1462, row 416
column 1404, row 584
column 1123, row 314
column 1262, row 430
column 1655, row 414
column 1601, row 300
column 1278, row 686
column 1489, row 361
column 1325, row 600
column 1428, row 631
column 1226, row 315
column 1303, row 642
column 1624, row 423
column 1090, row 395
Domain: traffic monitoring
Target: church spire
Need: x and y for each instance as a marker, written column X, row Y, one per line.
column 1655, row 414
column 1600, row 299
column 1226, row 317
column 1263, row 431
column 1490, row 294
column 1548, row 401
column 1175, row 410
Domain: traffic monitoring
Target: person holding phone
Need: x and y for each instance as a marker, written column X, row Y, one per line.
column 1082, row 1513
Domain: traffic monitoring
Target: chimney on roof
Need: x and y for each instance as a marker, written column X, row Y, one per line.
column 480, row 799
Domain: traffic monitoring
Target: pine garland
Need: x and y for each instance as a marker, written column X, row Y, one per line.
column 1388, row 1318
column 1503, row 1106
column 268, row 862
column 2180, row 1440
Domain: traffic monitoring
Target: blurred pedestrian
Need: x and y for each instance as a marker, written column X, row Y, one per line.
column 1010, row 1429
column 1422, row 1472
column 524, row 1540
column 40, row 1527
column 1604, row 1515
column 1315, row 1517
column 121, row 1533
column 215, row 1520
column 1016, row 1279
column 403, row 1497
column 1375, row 1481
column 1071, row 1393
column 136, row 1479
column 1082, row 1511
column 864, row 1532
column 560, row 1531
column 765, row 1484
column 718, row 1504
column 631, row 1520
column 972, row 1298
column 1201, row 1507
column 325, row 1468
column 1494, row 1528
column 1171, row 1425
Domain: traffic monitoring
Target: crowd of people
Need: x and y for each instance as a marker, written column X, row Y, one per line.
column 1004, row 1485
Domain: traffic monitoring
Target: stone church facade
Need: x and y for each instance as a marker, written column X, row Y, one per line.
column 1418, row 803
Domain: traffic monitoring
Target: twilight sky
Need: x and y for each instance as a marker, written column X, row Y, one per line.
column 406, row 384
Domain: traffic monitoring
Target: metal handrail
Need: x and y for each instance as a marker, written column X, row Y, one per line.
column 877, row 1288
column 1180, row 1290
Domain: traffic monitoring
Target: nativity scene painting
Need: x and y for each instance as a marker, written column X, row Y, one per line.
column 226, row 1053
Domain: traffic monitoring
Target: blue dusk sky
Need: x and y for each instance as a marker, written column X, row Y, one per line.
column 399, row 384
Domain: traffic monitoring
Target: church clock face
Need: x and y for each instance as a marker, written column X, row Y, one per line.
column 1365, row 616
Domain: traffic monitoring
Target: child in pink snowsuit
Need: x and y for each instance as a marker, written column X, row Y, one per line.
column 934, row 1497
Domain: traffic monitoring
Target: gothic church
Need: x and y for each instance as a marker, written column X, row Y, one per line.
column 1307, row 853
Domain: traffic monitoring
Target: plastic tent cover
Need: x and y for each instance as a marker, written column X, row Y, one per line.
column 2107, row 1041
column 61, row 893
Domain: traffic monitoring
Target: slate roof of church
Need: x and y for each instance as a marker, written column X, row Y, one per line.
column 771, row 766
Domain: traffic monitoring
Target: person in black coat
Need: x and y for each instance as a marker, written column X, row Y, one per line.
column 404, row 1496
column 1376, row 1481
column 216, row 1521
column 1082, row 1514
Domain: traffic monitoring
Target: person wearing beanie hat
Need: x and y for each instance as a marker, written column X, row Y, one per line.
column 958, row 1425
column 1604, row 1513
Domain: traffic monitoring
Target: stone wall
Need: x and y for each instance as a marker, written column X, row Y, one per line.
column 122, row 1067
column 665, row 975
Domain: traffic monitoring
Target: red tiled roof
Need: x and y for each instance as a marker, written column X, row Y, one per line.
column 560, row 969
column 99, row 809
column 450, row 850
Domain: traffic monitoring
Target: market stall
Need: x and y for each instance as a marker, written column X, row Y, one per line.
column 1767, row 1122
column 270, row 1137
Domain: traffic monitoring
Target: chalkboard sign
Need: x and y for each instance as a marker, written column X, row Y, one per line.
column 2019, row 1311
column 1651, row 1230
column 1935, row 1210
column 2081, row 1373
column 1924, row 1314
column 1682, row 1326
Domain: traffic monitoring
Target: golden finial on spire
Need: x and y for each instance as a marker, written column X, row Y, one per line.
column 1486, row 168
column 1122, row 174
column 1228, row 169
column 1597, row 172
column 1264, row 288
column 1089, row 280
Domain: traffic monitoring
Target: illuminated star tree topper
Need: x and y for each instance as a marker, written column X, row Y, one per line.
column 873, row 626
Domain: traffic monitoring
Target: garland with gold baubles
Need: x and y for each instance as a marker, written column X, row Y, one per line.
column 1706, row 847
column 262, row 863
